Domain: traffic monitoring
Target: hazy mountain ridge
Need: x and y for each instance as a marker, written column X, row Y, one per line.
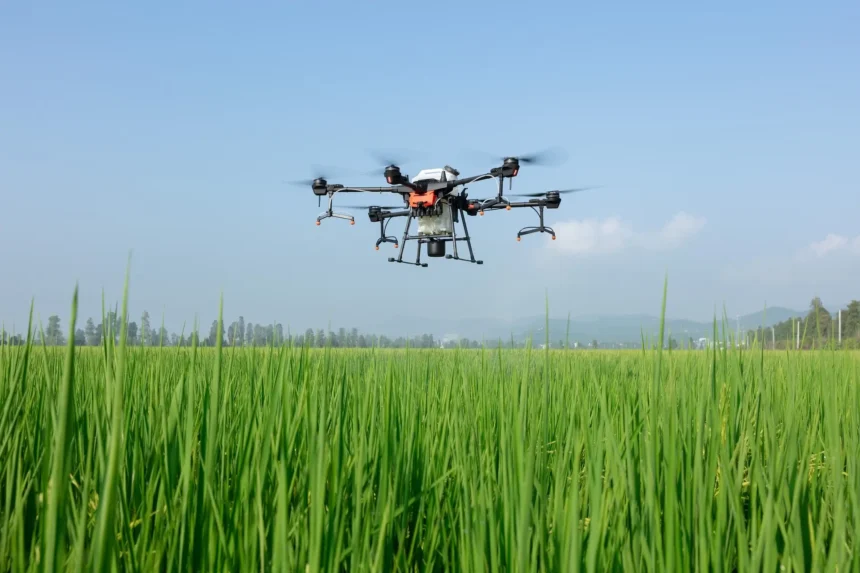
column 606, row 329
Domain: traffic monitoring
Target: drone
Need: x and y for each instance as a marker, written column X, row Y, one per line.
column 436, row 199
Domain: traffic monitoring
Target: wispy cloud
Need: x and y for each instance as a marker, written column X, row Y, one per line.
column 612, row 235
column 831, row 244
column 679, row 229
column 592, row 236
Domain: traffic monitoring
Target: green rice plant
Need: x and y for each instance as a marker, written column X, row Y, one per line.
column 319, row 459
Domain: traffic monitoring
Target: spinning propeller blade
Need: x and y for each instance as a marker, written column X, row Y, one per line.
column 319, row 172
column 550, row 156
column 574, row 190
column 547, row 157
column 387, row 159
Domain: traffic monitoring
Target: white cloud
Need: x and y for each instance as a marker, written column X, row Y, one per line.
column 833, row 243
column 591, row 236
column 681, row 227
column 611, row 235
column 830, row 243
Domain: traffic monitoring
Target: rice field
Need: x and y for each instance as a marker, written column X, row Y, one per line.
column 300, row 459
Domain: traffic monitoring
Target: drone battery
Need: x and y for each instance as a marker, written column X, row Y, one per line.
column 440, row 224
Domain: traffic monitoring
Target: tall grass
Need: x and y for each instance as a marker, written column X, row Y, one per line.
column 294, row 459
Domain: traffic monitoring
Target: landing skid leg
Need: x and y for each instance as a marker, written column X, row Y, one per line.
column 541, row 228
column 468, row 240
column 330, row 213
column 335, row 216
column 386, row 240
column 383, row 238
column 399, row 258
column 530, row 230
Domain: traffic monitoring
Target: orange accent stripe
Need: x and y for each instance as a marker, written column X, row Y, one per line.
column 427, row 199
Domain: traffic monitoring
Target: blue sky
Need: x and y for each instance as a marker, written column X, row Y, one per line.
column 725, row 140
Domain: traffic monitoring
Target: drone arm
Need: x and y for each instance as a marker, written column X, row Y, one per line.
column 391, row 214
column 495, row 205
column 473, row 179
column 340, row 189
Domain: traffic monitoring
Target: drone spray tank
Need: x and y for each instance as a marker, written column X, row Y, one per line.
column 436, row 221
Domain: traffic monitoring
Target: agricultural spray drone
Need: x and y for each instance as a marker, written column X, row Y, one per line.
column 437, row 199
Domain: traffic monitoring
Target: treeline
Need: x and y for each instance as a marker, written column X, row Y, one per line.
column 818, row 329
column 237, row 333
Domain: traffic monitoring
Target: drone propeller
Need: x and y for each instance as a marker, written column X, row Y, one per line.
column 326, row 173
column 574, row 190
column 305, row 182
column 385, row 160
column 547, row 157
column 550, row 156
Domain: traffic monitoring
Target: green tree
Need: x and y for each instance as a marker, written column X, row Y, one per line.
column 92, row 333
column 851, row 320
column 131, row 334
column 146, row 329
column 232, row 334
column 819, row 322
column 112, row 325
column 54, row 333
column 212, row 339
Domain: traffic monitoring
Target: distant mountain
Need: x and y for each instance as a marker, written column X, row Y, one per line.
column 629, row 329
column 606, row 329
column 769, row 317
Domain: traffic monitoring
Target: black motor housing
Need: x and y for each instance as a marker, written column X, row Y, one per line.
column 435, row 248
column 320, row 186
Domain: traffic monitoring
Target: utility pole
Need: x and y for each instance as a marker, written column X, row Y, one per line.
column 798, row 334
column 840, row 326
column 773, row 336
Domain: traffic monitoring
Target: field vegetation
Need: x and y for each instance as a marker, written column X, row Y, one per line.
column 289, row 458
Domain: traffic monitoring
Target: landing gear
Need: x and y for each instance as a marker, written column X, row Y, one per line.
column 436, row 243
column 541, row 228
column 330, row 213
column 383, row 238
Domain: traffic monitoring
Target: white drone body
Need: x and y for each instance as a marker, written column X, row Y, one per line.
column 443, row 223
